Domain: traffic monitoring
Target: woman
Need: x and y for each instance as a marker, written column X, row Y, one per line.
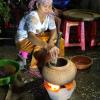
column 31, row 36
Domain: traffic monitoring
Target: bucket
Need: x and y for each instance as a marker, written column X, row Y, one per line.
column 8, row 71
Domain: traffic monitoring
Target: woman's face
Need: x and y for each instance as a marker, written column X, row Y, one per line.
column 45, row 8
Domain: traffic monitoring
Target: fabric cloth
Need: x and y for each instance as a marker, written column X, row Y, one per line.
column 31, row 23
column 24, row 54
column 44, row 1
column 27, row 46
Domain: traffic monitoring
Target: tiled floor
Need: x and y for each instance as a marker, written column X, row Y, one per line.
column 88, row 81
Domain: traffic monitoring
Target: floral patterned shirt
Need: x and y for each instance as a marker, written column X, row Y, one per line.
column 32, row 23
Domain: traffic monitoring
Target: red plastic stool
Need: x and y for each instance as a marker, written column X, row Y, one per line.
column 81, row 33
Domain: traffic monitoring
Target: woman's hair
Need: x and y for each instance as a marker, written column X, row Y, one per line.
column 32, row 3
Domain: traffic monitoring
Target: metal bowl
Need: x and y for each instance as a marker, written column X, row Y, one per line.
column 81, row 61
column 11, row 66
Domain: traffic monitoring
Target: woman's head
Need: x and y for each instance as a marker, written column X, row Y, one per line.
column 44, row 5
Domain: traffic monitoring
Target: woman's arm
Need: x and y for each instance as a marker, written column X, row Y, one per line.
column 35, row 40
column 53, row 37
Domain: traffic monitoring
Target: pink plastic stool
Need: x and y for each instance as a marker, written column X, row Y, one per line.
column 93, row 33
column 81, row 33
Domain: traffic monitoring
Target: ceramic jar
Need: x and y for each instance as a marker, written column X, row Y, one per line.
column 61, row 73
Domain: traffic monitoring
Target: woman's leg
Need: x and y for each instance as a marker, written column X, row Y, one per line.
column 25, row 47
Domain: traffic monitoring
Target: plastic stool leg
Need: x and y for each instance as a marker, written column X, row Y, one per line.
column 93, row 33
column 67, row 32
column 82, row 34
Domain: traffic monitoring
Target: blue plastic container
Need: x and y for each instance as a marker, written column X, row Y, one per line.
column 60, row 4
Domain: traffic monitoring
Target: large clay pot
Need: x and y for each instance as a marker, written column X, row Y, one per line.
column 61, row 73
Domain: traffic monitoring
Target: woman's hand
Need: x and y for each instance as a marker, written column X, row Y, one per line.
column 48, row 46
column 54, row 52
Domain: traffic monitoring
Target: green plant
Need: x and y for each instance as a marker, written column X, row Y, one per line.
column 4, row 10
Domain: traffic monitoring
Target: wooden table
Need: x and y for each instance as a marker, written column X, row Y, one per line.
column 81, row 14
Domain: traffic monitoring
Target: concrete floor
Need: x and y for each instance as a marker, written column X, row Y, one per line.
column 88, row 81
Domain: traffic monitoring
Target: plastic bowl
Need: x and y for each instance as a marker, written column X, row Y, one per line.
column 8, row 79
column 81, row 61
